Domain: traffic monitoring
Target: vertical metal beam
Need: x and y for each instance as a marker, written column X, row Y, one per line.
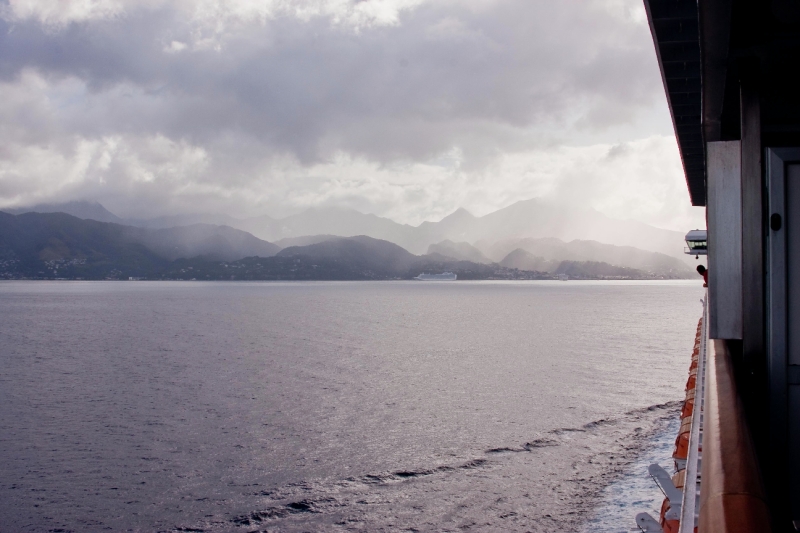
column 752, row 230
column 792, row 237
column 724, row 239
column 783, row 331
column 776, row 335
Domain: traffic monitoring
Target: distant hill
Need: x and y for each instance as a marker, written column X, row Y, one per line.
column 532, row 219
column 460, row 225
column 43, row 242
column 527, row 219
column 304, row 240
column 57, row 245
column 595, row 270
column 51, row 245
column 172, row 221
column 360, row 251
column 81, row 209
column 536, row 218
column 459, row 250
column 549, row 252
column 523, row 260
column 216, row 243
column 341, row 222
column 357, row 258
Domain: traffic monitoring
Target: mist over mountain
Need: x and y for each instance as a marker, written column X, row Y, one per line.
column 365, row 258
column 344, row 223
column 538, row 219
column 304, row 240
column 458, row 250
column 357, row 258
column 547, row 253
column 524, row 260
column 527, row 219
column 460, row 225
column 217, row 243
column 361, row 252
column 61, row 246
column 596, row 270
column 88, row 247
column 530, row 235
column 49, row 245
column 172, row 221
column 81, row 209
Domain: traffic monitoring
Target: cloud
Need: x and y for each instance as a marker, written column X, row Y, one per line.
column 63, row 12
column 401, row 107
column 211, row 13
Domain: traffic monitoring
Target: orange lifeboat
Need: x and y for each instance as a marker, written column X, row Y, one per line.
column 668, row 524
column 688, row 404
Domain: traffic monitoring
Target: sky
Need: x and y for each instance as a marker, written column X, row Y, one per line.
column 407, row 109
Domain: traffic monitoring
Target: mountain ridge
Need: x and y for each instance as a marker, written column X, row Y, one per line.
column 551, row 249
column 58, row 245
column 84, row 209
column 458, row 250
column 63, row 237
column 533, row 218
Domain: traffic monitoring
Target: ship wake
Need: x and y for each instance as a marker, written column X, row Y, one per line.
column 552, row 482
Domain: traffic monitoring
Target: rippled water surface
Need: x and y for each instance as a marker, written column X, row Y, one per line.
column 330, row 406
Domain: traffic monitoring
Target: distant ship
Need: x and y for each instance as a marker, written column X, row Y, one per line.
column 444, row 276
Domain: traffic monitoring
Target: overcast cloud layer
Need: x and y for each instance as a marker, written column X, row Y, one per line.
column 403, row 108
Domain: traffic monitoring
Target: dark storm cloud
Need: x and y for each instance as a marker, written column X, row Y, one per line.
column 479, row 76
column 403, row 108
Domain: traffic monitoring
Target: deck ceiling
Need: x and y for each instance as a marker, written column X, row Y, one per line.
column 704, row 48
column 675, row 28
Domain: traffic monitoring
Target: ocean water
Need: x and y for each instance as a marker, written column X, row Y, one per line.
column 375, row 406
column 634, row 491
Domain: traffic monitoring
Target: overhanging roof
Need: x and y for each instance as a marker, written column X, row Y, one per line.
column 675, row 28
column 705, row 48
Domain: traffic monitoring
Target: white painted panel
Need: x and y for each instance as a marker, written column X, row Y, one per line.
column 724, row 240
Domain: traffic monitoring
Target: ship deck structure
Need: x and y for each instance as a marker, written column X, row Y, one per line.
column 728, row 69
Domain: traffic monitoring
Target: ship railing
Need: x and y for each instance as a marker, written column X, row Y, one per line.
column 690, row 504
column 732, row 497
